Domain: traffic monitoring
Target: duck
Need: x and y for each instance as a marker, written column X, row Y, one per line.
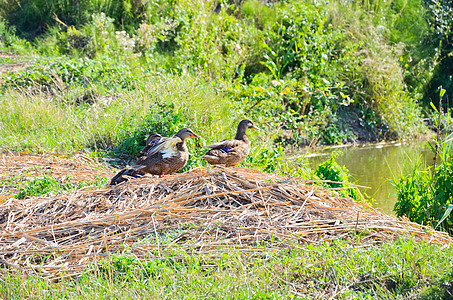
column 230, row 152
column 162, row 155
column 151, row 141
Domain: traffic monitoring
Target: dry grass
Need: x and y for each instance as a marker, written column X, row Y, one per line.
column 221, row 207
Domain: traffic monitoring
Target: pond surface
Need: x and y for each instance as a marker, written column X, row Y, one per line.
column 374, row 165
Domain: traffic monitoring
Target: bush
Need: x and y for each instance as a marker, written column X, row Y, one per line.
column 9, row 41
column 425, row 195
column 330, row 170
column 55, row 74
column 163, row 118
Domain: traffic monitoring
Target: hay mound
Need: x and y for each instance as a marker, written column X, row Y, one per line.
column 201, row 209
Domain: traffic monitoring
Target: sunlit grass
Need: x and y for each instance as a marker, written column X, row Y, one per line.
column 402, row 268
column 68, row 122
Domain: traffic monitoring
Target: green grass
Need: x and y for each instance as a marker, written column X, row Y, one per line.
column 78, row 119
column 46, row 185
column 399, row 269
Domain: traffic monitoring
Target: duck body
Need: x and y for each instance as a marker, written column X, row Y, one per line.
column 231, row 152
column 163, row 156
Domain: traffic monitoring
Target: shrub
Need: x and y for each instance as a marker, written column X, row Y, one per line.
column 425, row 195
column 10, row 41
column 330, row 170
column 48, row 74
column 163, row 118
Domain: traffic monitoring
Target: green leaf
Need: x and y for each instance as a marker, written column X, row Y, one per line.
column 449, row 138
column 430, row 146
column 442, row 92
column 434, row 107
column 446, row 214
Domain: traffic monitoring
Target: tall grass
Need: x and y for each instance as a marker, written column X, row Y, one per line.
column 41, row 123
column 80, row 119
column 378, row 26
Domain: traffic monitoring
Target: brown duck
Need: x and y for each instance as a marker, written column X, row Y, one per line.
column 152, row 140
column 231, row 152
column 163, row 155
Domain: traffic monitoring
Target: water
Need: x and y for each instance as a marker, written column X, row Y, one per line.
column 374, row 165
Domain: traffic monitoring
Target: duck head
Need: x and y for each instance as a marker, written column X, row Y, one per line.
column 242, row 128
column 246, row 124
column 186, row 133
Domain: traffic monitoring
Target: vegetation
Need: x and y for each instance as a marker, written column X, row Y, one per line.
column 425, row 194
column 304, row 71
column 46, row 185
column 401, row 268
column 99, row 76
column 336, row 177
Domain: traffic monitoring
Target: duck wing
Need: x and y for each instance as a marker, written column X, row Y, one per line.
column 225, row 145
column 166, row 146
column 152, row 141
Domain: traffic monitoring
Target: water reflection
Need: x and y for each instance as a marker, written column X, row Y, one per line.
column 373, row 166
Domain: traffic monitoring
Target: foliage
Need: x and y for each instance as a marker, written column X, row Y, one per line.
column 164, row 119
column 305, row 56
column 10, row 41
column 216, row 43
column 58, row 73
column 49, row 185
column 302, row 67
column 265, row 159
column 330, row 170
column 425, row 194
column 440, row 38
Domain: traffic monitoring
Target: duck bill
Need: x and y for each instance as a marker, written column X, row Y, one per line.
column 256, row 128
column 195, row 136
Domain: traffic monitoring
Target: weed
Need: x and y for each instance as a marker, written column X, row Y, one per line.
column 331, row 171
column 48, row 186
column 425, row 195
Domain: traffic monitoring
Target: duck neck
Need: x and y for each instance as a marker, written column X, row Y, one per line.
column 181, row 146
column 241, row 135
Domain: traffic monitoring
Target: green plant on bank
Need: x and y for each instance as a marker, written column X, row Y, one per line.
column 57, row 74
column 9, row 41
column 425, row 194
column 398, row 269
column 330, row 170
column 47, row 185
column 164, row 119
column 300, row 92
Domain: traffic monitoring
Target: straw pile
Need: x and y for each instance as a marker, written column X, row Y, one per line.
column 202, row 210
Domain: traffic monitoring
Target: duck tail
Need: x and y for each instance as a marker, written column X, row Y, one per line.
column 125, row 175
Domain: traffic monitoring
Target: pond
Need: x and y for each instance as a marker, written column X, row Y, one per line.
column 374, row 165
